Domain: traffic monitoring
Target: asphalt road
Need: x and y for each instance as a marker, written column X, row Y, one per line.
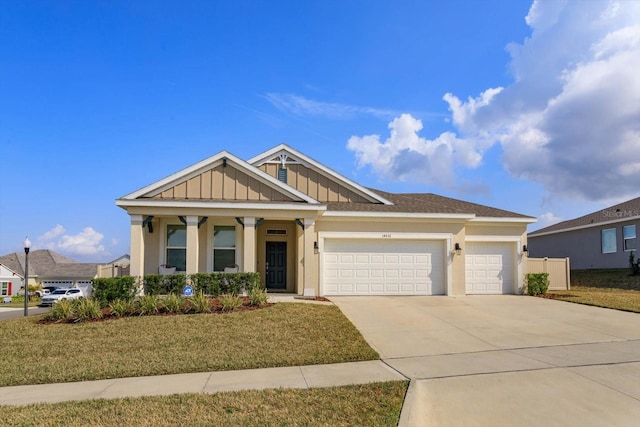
column 11, row 313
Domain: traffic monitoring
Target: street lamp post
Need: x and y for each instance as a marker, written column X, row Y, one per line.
column 27, row 246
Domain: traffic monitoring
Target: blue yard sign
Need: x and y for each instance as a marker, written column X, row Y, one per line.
column 187, row 291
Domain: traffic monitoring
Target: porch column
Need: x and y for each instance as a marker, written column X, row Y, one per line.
column 249, row 245
column 310, row 283
column 137, row 247
column 193, row 246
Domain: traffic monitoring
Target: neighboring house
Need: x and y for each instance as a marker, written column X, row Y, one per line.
column 10, row 281
column 116, row 268
column 47, row 268
column 309, row 230
column 602, row 239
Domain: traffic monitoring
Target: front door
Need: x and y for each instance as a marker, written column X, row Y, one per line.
column 276, row 267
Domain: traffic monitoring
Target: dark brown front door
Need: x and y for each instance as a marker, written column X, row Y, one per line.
column 276, row 268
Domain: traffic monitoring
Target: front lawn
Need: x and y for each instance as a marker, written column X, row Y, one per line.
column 377, row 404
column 285, row 334
column 613, row 288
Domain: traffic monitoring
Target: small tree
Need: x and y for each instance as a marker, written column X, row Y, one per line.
column 634, row 264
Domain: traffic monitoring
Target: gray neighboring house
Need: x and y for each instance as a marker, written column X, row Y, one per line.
column 602, row 239
column 47, row 268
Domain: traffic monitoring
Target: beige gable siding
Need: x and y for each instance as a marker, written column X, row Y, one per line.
column 320, row 187
column 223, row 183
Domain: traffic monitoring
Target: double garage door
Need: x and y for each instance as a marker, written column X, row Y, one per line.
column 412, row 267
column 383, row 267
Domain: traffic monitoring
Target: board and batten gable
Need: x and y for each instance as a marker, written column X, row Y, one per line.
column 222, row 183
column 314, row 184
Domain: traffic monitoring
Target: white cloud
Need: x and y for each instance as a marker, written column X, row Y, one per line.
column 302, row 106
column 53, row 233
column 569, row 121
column 87, row 243
column 546, row 219
column 405, row 154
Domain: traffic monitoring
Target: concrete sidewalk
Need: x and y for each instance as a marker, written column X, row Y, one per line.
column 330, row 375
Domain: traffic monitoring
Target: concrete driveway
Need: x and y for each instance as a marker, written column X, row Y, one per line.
column 506, row 360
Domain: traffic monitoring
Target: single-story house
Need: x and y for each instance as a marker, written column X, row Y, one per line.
column 10, row 281
column 309, row 230
column 601, row 239
column 48, row 268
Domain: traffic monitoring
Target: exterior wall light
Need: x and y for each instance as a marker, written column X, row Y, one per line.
column 315, row 247
column 525, row 250
column 457, row 249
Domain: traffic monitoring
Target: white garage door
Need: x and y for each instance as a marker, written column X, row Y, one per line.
column 383, row 267
column 489, row 268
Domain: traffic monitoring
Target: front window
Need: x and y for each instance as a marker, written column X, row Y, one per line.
column 177, row 247
column 224, row 247
column 4, row 289
column 629, row 236
column 609, row 241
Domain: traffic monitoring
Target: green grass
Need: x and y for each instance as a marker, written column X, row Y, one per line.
column 613, row 288
column 285, row 334
column 376, row 404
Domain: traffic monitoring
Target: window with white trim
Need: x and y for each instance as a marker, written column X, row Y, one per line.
column 609, row 241
column 177, row 247
column 4, row 289
column 629, row 237
column 224, row 246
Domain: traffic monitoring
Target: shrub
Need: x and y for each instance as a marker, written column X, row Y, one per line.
column 88, row 309
column 107, row 290
column 537, row 283
column 206, row 282
column 163, row 284
column 216, row 284
column 173, row 303
column 634, row 265
column 63, row 310
column 230, row 302
column 149, row 304
column 121, row 307
column 257, row 297
column 201, row 303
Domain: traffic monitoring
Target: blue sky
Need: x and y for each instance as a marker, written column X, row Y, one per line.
column 530, row 107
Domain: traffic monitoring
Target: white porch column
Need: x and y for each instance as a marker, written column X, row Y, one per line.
column 137, row 247
column 193, row 245
column 249, row 245
column 310, row 283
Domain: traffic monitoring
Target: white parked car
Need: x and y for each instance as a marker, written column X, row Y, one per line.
column 60, row 294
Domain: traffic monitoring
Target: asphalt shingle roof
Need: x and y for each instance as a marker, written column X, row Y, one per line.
column 46, row 263
column 424, row 203
column 628, row 209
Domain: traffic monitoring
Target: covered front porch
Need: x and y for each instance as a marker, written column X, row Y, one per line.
column 281, row 247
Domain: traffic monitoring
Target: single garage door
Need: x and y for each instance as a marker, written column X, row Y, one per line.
column 383, row 267
column 489, row 268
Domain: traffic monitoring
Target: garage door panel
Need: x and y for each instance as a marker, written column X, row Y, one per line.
column 376, row 259
column 362, row 259
column 383, row 267
column 376, row 274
